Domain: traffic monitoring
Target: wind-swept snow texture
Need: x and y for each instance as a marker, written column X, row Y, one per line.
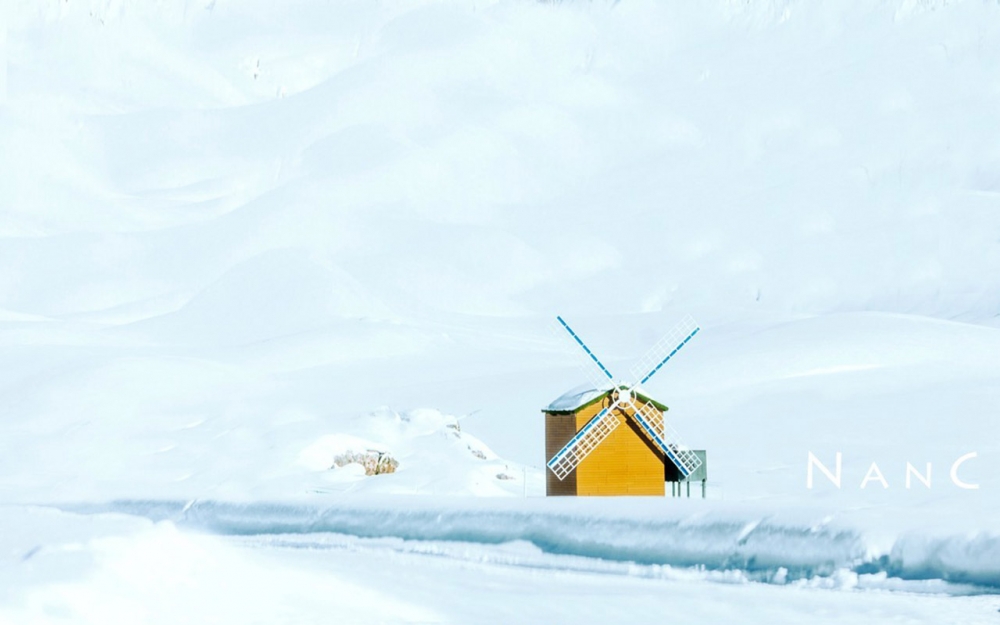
column 494, row 158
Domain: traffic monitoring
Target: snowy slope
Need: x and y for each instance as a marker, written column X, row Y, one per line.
column 779, row 157
column 235, row 235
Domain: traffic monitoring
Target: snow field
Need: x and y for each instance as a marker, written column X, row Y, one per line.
column 231, row 231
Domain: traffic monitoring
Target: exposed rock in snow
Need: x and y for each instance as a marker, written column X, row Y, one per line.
column 337, row 450
column 374, row 462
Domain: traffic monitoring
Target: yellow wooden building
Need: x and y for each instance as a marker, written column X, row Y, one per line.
column 627, row 462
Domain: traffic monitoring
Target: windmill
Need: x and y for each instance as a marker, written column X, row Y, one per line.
column 621, row 402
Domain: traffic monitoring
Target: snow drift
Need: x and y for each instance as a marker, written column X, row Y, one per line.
column 765, row 547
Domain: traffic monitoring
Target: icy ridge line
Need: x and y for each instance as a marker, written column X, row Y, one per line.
column 763, row 549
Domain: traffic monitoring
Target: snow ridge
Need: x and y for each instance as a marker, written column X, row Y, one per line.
column 761, row 548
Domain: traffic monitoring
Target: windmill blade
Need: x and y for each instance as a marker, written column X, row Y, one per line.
column 599, row 376
column 664, row 350
column 650, row 419
column 585, row 441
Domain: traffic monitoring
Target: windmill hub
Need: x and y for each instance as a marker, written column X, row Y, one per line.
column 624, row 396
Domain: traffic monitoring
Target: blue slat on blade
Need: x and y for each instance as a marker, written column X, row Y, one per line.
column 579, row 435
column 664, row 361
column 660, row 443
column 585, row 348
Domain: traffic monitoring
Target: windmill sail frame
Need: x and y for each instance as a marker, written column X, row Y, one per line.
column 649, row 419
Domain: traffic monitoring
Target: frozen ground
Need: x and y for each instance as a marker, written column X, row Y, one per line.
column 238, row 239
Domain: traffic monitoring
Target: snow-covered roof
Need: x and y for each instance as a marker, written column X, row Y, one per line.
column 574, row 398
column 580, row 396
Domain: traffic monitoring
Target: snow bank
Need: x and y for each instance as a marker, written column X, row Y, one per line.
column 719, row 541
column 112, row 568
column 758, row 545
column 971, row 559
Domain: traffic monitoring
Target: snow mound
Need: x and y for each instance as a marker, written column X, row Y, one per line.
column 428, row 449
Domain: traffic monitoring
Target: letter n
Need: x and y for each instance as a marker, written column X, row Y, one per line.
column 911, row 471
column 814, row 461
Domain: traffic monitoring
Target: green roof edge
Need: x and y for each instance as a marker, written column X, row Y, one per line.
column 593, row 401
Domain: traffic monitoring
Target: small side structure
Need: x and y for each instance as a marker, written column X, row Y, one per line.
column 677, row 480
column 627, row 462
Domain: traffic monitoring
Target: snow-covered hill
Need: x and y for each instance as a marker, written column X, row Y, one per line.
column 497, row 158
column 238, row 239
